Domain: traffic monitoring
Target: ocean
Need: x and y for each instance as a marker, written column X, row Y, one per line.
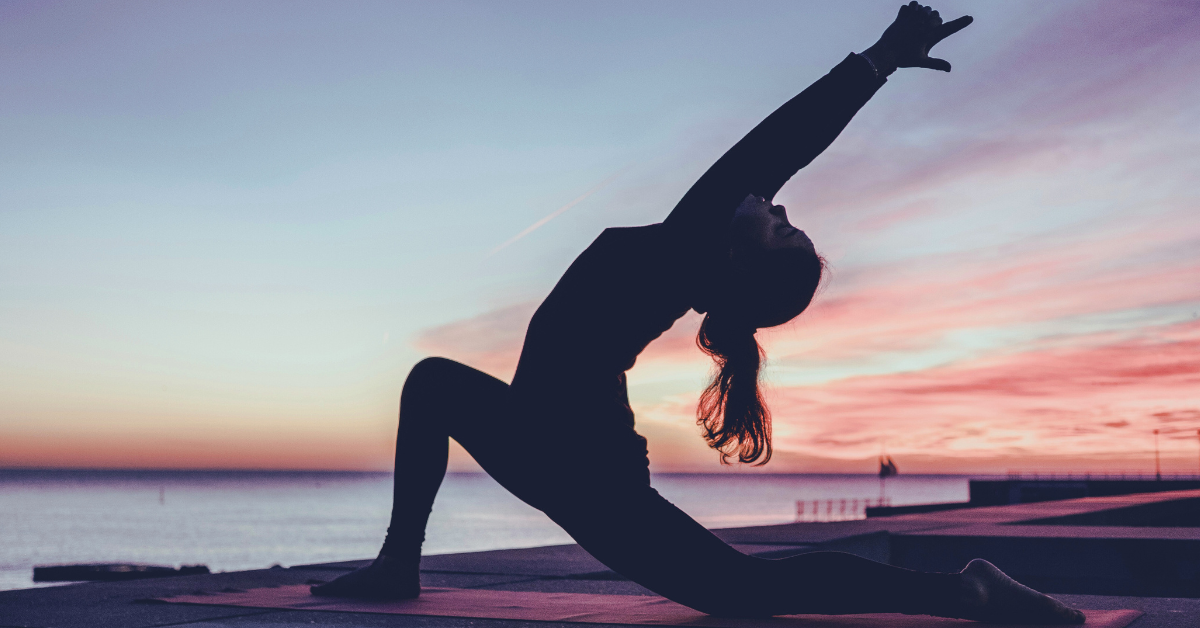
column 234, row 520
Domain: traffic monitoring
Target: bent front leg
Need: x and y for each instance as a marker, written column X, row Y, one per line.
column 441, row 399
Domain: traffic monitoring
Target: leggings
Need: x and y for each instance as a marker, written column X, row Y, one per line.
column 621, row 520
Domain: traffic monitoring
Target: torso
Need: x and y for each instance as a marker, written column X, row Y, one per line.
column 621, row 293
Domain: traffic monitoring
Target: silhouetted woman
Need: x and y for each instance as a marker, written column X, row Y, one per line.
column 561, row 437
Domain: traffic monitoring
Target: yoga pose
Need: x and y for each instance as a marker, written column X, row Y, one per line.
column 561, row 436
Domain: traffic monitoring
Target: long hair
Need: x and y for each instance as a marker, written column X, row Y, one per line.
column 772, row 288
column 732, row 412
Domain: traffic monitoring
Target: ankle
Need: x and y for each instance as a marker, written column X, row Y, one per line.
column 396, row 566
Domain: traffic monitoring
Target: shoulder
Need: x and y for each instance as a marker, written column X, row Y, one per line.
column 627, row 232
column 644, row 244
column 655, row 234
column 624, row 253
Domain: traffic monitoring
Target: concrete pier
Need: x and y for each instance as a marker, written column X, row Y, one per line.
column 1032, row 489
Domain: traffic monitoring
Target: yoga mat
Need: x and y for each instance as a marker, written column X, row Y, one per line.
column 580, row 608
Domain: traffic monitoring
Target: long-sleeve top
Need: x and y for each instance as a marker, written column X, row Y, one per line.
column 631, row 284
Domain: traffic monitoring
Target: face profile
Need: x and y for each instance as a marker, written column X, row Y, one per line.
column 774, row 269
column 759, row 224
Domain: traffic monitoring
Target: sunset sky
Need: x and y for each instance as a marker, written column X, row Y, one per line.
column 228, row 230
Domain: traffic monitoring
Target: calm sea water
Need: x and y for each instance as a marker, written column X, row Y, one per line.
column 250, row 520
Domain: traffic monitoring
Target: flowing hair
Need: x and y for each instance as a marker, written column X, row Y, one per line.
column 778, row 286
column 732, row 411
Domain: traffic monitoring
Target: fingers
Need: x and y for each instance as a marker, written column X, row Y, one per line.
column 933, row 18
column 949, row 28
column 917, row 29
column 934, row 64
column 918, row 18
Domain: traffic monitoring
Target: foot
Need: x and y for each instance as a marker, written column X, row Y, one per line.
column 991, row 596
column 384, row 579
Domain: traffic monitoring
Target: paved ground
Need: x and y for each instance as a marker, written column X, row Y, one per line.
column 567, row 568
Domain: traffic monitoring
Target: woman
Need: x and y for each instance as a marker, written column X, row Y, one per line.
column 561, row 437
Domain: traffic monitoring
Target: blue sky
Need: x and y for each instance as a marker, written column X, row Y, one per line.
column 228, row 230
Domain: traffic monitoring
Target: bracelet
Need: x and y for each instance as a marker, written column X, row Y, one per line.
column 870, row 63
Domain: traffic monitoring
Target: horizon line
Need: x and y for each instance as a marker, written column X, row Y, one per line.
column 1020, row 474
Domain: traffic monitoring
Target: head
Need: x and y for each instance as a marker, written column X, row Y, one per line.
column 772, row 274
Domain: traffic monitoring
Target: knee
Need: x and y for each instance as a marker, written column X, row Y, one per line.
column 431, row 368
column 428, row 374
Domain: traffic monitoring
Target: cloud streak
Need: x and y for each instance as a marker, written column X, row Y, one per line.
column 554, row 214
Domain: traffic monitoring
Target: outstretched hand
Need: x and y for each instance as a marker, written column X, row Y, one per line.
column 906, row 43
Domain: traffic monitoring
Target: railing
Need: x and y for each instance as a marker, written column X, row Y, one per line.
column 837, row 509
column 1107, row 475
column 850, row 509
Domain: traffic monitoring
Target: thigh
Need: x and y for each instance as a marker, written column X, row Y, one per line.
column 647, row 539
column 474, row 409
column 642, row 536
column 449, row 397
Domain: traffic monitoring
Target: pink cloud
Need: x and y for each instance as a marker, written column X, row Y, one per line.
column 1094, row 403
column 1089, row 399
column 490, row 342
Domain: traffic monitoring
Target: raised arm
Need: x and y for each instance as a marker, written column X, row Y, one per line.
column 777, row 148
column 791, row 137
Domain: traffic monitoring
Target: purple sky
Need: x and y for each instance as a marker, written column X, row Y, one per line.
column 227, row 232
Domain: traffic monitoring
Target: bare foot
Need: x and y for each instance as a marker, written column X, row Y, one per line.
column 991, row 596
column 384, row 579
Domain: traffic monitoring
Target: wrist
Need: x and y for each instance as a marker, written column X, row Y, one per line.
column 883, row 59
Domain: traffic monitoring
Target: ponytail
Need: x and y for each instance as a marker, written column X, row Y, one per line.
column 731, row 410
